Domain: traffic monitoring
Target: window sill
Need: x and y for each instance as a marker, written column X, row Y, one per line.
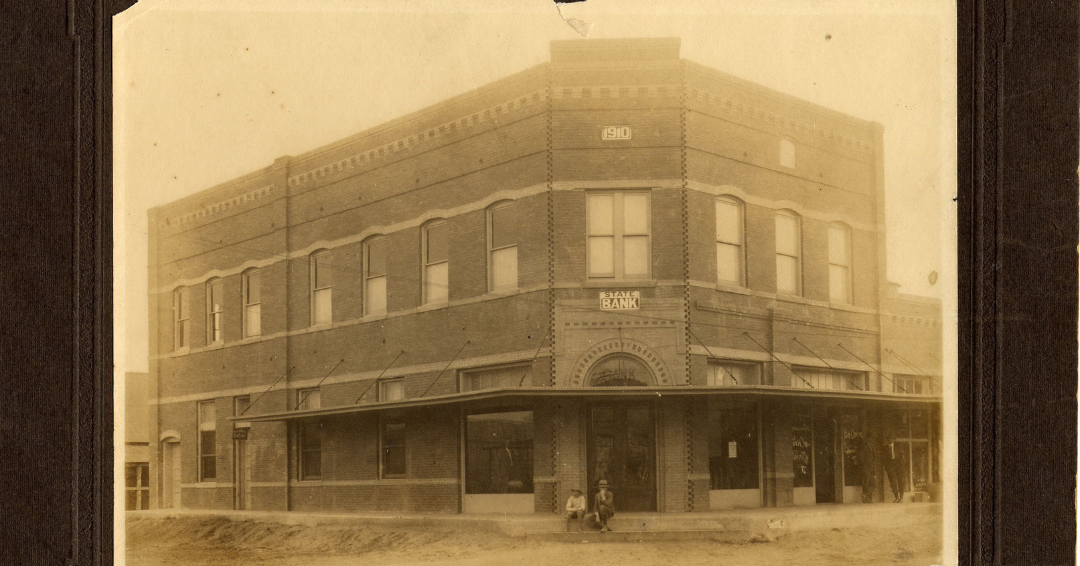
column 732, row 288
column 602, row 283
column 393, row 477
column 215, row 345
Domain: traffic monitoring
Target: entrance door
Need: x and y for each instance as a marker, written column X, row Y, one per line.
column 170, row 475
column 240, row 474
column 824, row 459
column 622, row 450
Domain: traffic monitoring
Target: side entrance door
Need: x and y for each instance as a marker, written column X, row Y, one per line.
column 621, row 447
column 170, row 473
column 240, row 473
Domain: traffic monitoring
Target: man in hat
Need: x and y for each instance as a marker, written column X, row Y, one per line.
column 575, row 508
column 605, row 505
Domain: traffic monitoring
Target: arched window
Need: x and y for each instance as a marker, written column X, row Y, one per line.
column 620, row 370
column 730, row 264
column 839, row 263
column 215, row 306
column 322, row 288
column 252, row 293
column 787, row 153
column 436, row 261
column 788, row 253
column 375, row 275
column 181, row 310
column 503, row 225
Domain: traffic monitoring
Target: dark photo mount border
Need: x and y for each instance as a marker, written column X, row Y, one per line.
column 1017, row 205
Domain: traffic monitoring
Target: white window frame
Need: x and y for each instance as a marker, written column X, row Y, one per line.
column 382, row 396
column 181, row 318
column 369, row 279
column 617, row 235
column 309, row 398
column 492, row 287
column 798, row 251
column 215, row 312
column 848, row 291
column 740, row 244
column 320, row 293
column 245, row 282
column 726, row 378
column 425, row 266
column 204, row 427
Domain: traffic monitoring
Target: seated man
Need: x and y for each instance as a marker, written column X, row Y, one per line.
column 605, row 505
column 575, row 508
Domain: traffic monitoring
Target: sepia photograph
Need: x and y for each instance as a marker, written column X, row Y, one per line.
column 482, row 282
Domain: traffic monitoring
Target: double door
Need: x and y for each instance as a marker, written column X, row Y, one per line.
column 621, row 449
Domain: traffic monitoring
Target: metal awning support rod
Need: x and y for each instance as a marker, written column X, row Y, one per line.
column 872, row 368
column 791, row 369
column 445, row 368
column 853, row 384
column 694, row 336
column 537, row 354
column 250, row 405
column 301, row 401
column 376, row 380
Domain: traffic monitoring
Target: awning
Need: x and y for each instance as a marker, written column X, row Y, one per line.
column 530, row 393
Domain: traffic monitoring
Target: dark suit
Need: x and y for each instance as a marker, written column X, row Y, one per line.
column 605, row 506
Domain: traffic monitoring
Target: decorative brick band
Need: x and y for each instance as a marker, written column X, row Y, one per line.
column 221, row 206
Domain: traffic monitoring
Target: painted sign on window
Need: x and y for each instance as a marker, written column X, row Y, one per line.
column 620, row 300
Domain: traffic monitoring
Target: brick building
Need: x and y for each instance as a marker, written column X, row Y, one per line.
column 617, row 265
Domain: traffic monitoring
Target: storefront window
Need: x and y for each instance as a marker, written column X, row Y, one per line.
column 802, row 438
column 499, row 453
column 854, row 467
column 733, row 449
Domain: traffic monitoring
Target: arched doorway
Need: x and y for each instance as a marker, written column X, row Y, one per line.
column 621, row 447
column 170, row 472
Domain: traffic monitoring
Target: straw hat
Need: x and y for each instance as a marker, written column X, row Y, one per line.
column 603, row 483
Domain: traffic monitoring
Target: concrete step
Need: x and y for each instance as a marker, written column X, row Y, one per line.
column 595, row 537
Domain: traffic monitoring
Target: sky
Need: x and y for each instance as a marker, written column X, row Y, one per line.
column 206, row 91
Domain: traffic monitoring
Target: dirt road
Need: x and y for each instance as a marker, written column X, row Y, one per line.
column 218, row 541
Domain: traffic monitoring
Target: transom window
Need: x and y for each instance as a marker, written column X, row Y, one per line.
column 828, row 378
column 494, row 377
column 839, row 263
column 375, row 276
column 729, row 373
column 729, row 242
column 308, row 399
column 215, row 291
column 252, row 291
column 180, row 318
column 207, row 441
column 503, row 247
column 911, row 384
column 788, row 253
column 391, row 389
column 618, row 235
column 321, row 288
column 436, row 262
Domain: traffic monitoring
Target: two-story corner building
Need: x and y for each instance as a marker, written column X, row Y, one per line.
column 617, row 265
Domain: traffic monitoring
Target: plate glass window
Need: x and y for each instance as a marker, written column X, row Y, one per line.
column 436, row 262
column 788, row 253
column 375, row 276
column 180, row 318
column 252, row 291
column 618, row 235
column 839, row 263
column 503, row 247
column 499, row 453
column 729, row 242
column 207, row 441
column 215, row 291
column 733, row 448
column 322, row 284
column 392, row 450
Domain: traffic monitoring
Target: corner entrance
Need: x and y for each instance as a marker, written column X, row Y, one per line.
column 621, row 449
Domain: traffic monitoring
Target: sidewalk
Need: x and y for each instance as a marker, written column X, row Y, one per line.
column 737, row 524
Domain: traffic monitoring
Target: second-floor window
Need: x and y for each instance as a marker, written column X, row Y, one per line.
column 180, row 318
column 375, row 276
column 252, row 292
column 839, row 263
column 618, row 235
column 502, row 247
column 215, row 290
column 788, row 253
column 729, row 241
column 321, row 288
column 436, row 262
